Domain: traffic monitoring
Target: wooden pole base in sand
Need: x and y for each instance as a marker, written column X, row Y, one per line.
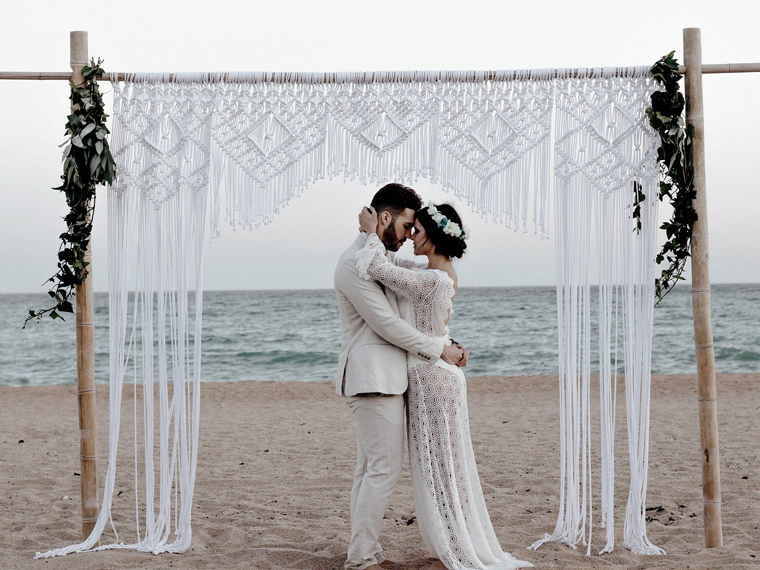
column 85, row 318
column 700, row 286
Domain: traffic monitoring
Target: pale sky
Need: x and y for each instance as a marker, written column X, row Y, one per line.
column 300, row 248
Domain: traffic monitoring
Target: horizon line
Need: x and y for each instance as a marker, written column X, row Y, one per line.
column 678, row 286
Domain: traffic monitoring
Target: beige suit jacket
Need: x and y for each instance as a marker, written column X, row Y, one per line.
column 374, row 338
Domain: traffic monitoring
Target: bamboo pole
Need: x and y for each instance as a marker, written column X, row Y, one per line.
column 726, row 68
column 85, row 317
column 64, row 75
column 700, row 283
column 38, row 75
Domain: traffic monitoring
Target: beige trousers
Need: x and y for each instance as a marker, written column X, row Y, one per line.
column 380, row 453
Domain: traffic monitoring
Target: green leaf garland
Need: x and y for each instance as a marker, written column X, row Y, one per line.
column 87, row 162
column 674, row 156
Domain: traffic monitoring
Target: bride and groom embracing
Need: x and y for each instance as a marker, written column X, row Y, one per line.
column 394, row 314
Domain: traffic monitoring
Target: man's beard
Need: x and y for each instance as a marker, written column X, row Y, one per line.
column 390, row 238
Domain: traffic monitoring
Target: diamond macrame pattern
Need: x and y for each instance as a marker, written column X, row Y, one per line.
column 488, row 127
column 602, row 131
column 265, row 128
column 162, row 141
column 487, row 140
column 382, row 116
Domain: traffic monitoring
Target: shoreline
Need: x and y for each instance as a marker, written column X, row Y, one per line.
column 276, row 461
column 331, row 382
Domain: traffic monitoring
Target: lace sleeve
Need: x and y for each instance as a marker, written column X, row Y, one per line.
column 443, row 302
column 373, row 265
column 407, row 263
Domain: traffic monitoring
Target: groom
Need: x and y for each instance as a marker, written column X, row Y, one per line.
column 372, row 373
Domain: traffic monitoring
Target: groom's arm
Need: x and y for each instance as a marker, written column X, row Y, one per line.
column 372, row 305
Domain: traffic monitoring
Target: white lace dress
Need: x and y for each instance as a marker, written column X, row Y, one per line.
column 448, row 499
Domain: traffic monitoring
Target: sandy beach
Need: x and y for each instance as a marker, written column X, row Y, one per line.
column 277, row 459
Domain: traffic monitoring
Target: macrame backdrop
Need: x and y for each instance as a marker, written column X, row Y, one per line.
column 196, row 150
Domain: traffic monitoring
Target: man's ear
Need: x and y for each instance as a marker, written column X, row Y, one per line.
column 384, row 217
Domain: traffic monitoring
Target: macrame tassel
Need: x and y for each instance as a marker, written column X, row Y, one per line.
column 268, row 145
column 608, row 215
column 638, row 252
column 573, row 221
column 494, row 141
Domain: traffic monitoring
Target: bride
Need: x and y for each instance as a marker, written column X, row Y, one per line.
column 448, row 499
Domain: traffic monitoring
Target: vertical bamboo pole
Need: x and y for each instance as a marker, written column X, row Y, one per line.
column 85, row 318
column 700, row 287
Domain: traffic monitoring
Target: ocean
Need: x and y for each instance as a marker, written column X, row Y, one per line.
column 294, row 335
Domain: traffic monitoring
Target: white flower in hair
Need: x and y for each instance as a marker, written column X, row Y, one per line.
column 452, row 228
column 448, row 227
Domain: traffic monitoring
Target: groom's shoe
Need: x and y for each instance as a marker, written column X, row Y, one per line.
column 387, row 564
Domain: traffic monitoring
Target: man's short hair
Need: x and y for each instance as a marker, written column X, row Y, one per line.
column 395, row 198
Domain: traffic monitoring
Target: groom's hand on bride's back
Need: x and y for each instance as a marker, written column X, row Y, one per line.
column 453, row 354
column 465, row 356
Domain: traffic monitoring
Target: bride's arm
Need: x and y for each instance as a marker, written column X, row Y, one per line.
column 373, row 264
column 406, row 262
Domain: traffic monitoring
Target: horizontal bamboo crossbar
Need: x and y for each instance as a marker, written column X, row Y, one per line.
column 726, row 68
column 39, row 75
column 66, row 75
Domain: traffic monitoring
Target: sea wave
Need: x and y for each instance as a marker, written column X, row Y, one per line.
column 295, row 335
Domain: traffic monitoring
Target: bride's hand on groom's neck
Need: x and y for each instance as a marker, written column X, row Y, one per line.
column 368, row 220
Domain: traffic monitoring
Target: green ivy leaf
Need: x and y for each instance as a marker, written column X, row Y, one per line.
column 94, row 165
column 87, row 130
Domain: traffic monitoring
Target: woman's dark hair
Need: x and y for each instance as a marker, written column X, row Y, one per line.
column 395, row 198
column 445, row 244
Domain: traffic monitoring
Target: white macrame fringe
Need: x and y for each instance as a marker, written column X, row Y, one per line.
column 603, row 145
column 638, row 273
column 197, row 149
column 156, row 238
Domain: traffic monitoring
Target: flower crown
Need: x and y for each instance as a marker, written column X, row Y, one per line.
column 449, row 227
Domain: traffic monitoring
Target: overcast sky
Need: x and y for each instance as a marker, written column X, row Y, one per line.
column 300, row 248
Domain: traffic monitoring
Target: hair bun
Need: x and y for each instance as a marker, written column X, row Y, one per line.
column 444, row 242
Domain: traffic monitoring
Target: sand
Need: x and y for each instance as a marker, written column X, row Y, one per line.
column 277, row 459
